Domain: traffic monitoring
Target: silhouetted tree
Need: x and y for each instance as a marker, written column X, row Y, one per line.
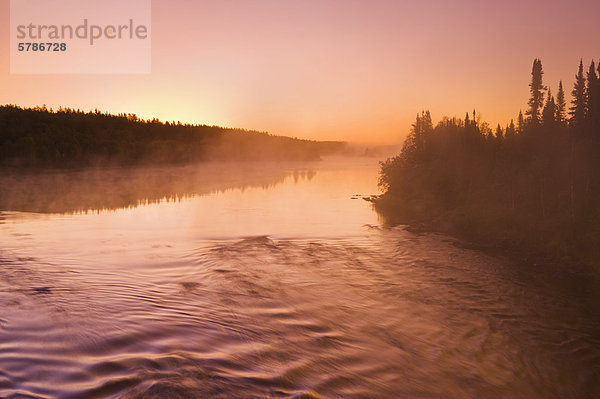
column 561, row 105
column 422, row 129
column 578, row 108
column 536, row 88
column 499, row 132
column 510, row 130
column 592, row 81
column 549, row 112
column 593, row 101
column 520, row 122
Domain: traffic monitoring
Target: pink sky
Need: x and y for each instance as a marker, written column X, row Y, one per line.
column 324, row 69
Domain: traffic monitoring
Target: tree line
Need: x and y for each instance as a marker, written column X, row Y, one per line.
column 67, row 138
column 532, row 183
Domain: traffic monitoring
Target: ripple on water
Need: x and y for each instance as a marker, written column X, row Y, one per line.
column 397, row 315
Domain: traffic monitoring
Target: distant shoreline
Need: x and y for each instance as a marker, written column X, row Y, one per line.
column 38, row 138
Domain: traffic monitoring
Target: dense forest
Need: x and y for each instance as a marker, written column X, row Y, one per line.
column 66, row 138
column 532, row 184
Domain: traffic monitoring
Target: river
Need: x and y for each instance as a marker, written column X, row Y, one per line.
column 258, row 281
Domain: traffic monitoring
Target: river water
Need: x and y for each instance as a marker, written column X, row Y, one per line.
column 258, row 281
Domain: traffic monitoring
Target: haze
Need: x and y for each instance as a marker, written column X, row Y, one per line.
column 343, row 70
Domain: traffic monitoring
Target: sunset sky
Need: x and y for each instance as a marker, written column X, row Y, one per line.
column 330, row 69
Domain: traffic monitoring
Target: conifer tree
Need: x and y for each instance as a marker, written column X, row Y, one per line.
column 592, row 89
column 510, row 130
column 499, row 132
column 520, row 122
column 577, row 111
column 417, row 139
column 592, row 80
column 549, row 112
column 561, row 105
column 414, row 146
column 536, row 88
column 427, row 122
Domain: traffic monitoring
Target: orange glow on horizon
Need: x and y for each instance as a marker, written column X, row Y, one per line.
column 330, row 70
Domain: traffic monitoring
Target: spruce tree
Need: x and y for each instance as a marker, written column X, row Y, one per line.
column 427, row 122
column 593, row 103
column 520, row 122
column 578, row 111
column 536, row 88
column 549, row 112
column 510, row 130
column 414, row 146
column 499, row 132
column 417, row 136
column 561, row 105
column 592, row 93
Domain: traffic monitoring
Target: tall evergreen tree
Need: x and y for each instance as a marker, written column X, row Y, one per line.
column 416, row 130
column 536, row 88
column 510, row 130
column 427, row 122
column 592, row 82
column 593, row 104
column 561, row 105
column 421, row 128
column 414, row 146
column 520, row 122
column 577, row 111
column 549, row 112
column 499, row 132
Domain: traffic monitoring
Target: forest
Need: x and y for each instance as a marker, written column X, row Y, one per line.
column 530, row 185
column 66, row 138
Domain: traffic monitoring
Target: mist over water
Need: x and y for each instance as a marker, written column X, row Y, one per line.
column 269, row 281
column 98, row 189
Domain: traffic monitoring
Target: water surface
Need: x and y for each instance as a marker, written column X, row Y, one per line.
column 270, row 281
